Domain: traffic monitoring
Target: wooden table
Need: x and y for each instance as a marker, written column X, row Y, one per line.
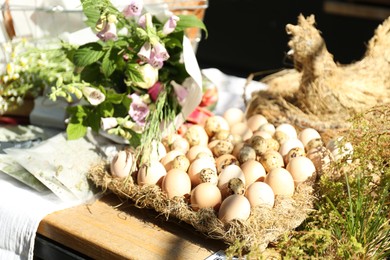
column 112, row 229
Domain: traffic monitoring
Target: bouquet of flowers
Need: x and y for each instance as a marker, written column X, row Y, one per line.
column 134, row 80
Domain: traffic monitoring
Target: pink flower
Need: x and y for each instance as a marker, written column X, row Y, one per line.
column 156, row 61
column 170, row 25
column 108, row 32
column 138, row 110
column 145, row 21
column 155, row 90
column 160, row 51
column 133, row 9
column 145, row 51
column 180, row 91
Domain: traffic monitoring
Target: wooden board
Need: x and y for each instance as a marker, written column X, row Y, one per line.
column 113, row 229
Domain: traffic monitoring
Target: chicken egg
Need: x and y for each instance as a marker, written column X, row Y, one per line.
column 308, row 134
column 301, row 168
column 262, row 133
column 205, row 195
column 180, row 144
column 234, row 207
column 288, row 129
column 122, row 163
column 169, row 157
column 281, row 182
column 289, row 144
column 151, row 174
column 255, row 121
column 253, row 171
column 194, row 151
column 234, row 115
column 260, row 194
column 241, row 129
column 268, row 127
column 176, row 183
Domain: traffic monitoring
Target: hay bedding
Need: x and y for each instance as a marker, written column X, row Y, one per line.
column 264, row 225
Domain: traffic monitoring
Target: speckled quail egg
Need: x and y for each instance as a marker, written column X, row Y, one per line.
column 180, row 162
column 271, row 160
column 196, row 135
column 215, row 124
column 246, row 153
column 224, row 160
column 220, row 147
column 294, row 152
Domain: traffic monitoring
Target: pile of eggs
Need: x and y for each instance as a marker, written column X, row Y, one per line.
column 230, row 164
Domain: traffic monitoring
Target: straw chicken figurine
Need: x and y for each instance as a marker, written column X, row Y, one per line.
column 319, row 92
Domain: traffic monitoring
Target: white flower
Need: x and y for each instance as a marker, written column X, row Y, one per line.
column 93, row 95
column 108, row 123
column 150, row 75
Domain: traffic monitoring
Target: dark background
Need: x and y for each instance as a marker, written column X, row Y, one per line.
column 247, row 36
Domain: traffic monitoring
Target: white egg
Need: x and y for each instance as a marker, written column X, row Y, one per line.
column 234, row 115
column 122, row 164
column 308, row 134
column 288, row 129
column 281, row 182
column 254, row 122
column 260, row 194
column 151, row 174
column 234, row 207
column 301, row 168
column 288, row 145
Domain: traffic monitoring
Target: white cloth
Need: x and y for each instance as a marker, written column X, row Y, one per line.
column 21, row 210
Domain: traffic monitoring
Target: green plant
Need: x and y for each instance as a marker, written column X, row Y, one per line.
column 351, row 217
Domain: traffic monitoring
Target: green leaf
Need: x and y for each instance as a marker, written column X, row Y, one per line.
column 133, row 73
column 105, row 109
column 92, row 74
column 113, row 97
column 75, row 130
column 108, row 64
column 88, row 54
column 188, row 21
